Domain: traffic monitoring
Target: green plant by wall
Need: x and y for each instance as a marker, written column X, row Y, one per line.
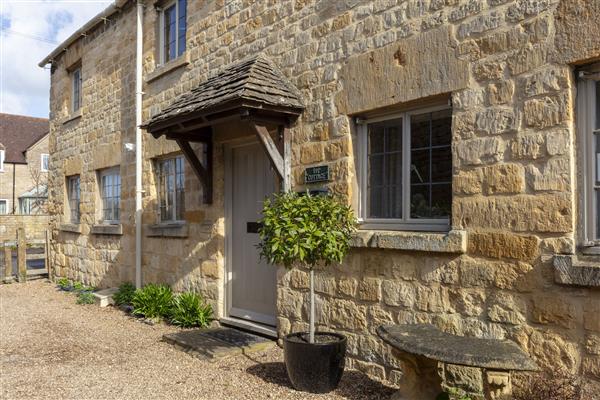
column 85, row 298
column 64, row 283
column 189, row 310
column 306, row 230
column 454, row 394
column 152, row 301
column 125, row 294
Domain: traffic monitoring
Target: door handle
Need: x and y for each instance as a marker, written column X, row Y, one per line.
column 253, row 227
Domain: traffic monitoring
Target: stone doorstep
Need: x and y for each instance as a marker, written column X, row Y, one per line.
column 105, row 297
column 215, row 343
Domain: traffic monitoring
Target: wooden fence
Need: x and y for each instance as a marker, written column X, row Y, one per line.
column 22, row 258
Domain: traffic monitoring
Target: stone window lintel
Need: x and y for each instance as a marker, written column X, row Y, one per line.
column 164, row 69
column 171, row 229
column 72, row 117
column 575, row 271
column 454, row 241
column 107, row 229
column 73, row 228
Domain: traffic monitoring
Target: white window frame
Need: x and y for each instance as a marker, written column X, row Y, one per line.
column 161, row 28
column 405, row 223
column 2, row 157
column 70, row 180
column 7, row 206
column 158, row 170
column 76, row 83
column 42, row 156
column 114, row 171
column 589, row 160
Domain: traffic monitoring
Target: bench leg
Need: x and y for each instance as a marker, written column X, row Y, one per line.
column 420, row 381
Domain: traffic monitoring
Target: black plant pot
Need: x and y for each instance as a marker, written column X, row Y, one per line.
column 315, row 367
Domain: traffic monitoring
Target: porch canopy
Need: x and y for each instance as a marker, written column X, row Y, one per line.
column 253, row 90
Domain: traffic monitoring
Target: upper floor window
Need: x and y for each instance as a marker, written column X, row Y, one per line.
column 73, row 196
column 405, row 170
column 110, row 195
column 3, row 206
column 76, row 89
column 588, row 124
column 171, row 179
column 172, row 29
column 44, row 162
column 2, row 160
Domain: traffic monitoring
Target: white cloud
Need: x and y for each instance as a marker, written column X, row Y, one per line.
column 24, row 87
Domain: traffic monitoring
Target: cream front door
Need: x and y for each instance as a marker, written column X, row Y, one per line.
column 252, row 285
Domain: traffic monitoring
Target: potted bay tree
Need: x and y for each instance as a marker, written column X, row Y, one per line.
column 309, row 231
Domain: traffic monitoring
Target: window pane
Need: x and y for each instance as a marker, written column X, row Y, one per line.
column 393, row 169
column 3, row 208
column 441, row 200
column 420, row 130
column 376, row 164
column 419, row 167
column 393, row 137
column 598, row 105
column 441, row 166
column 441, row 127
column 420, row 201
column 182, row 28
column 376, row 202
column 376, row 138
column 170, row 36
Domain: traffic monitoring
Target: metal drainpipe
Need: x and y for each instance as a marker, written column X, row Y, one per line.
column 138, row 145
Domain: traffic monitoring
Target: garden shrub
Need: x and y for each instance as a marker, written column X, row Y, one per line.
column 64, row 283
column 189, row 309
column 85, row 297
column 125, row 294
column 152, row 301
column 78, row 286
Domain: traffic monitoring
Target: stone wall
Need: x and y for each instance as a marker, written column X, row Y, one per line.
column 35, row 226
column 511, row 82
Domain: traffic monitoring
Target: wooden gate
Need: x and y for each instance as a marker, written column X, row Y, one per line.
column 23, row 258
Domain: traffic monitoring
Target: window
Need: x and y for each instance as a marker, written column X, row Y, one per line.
column 76, row 90
column 110, row 195
column 405, row 170
column 588, row 124
column 172, row 30
column 32, row 205
column 171, row 179
column 1, row 160
column 3, row 206
column 73, row 197
column 44, row 162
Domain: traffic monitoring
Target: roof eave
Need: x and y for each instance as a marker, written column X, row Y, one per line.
column 107, row 12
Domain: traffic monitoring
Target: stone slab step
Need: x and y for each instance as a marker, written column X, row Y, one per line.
column 214, row 343
column 104, row 297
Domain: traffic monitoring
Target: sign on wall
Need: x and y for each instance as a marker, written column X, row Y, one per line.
column 316, row 174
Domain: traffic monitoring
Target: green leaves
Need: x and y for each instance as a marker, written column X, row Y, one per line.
column 189, row 310
column 152, row 301
column 125, row 294
column 305, row 229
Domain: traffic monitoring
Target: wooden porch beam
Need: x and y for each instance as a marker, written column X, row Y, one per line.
column 270, row 147
column 287, row 158
column 203, row 173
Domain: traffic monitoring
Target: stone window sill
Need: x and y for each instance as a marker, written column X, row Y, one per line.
column 73, row 228
column 454, row 241
column 573, row 270
column 164, row 69
column 72, row 117
column 106, row 229
column 175, row 230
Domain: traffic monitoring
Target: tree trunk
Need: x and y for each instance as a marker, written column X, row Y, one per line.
column 311, row 321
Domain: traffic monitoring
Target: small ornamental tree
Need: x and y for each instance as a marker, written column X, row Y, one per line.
column 301, row 229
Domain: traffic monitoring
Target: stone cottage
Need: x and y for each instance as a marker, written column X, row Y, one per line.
column 463, row 133
column 24, row 161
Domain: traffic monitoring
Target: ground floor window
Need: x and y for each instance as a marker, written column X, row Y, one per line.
column 3, row 206
column 405, row 170
column 32, row 205
column 110, row 195
column 73, row 196
column 171, row 184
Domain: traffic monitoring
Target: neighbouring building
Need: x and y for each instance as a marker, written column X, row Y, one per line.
column 463, row 132
column 24, row 160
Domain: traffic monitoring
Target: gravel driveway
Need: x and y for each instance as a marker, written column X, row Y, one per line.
column 52, row 348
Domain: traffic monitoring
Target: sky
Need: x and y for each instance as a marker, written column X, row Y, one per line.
column 29, row 31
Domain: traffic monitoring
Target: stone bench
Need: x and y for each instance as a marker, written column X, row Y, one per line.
column 435, row 361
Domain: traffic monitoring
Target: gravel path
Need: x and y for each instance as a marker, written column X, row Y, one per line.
column 52, row 348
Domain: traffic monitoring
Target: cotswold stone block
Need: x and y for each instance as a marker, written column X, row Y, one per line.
column 468, row 182
column 547, row 111
column 521, row 213
column 526, row 8
column 432, row 299
column 489, row 70
column 548, row 81
column 463, row 125
column 369, row 289
column 398, row 293
column 480, row 24
column 554, row 176
column 528, row 59
column 472, row 7
column 500, row 93
column 480, row 151
column 347, row 287
column 469, row 379
column 552, row 351
column 505, row 308
column 504, row 178
column 298, row 279
column 554, row 309
column 467, row 99
column 495, row 121
column 529, row 146
column 503, row 245
column 312, row 153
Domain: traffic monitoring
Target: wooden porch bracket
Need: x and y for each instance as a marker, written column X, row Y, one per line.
column 204, row 173
column 270, row 147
